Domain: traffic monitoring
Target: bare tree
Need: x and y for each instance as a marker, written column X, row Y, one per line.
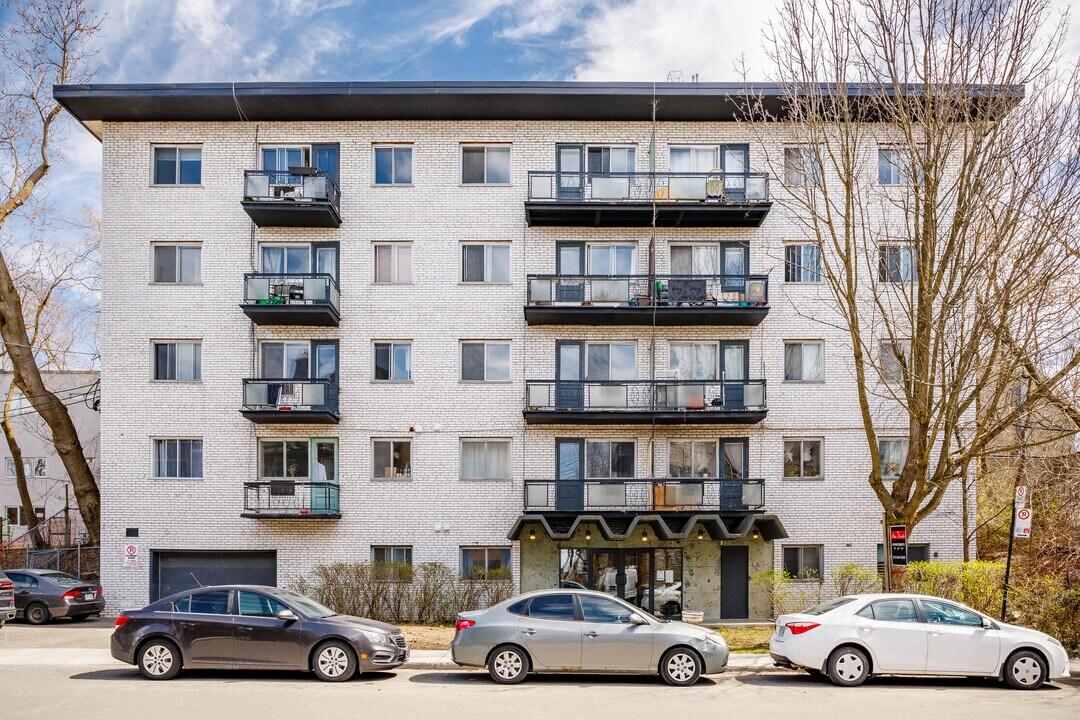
column 933, row 173
column 45, row 45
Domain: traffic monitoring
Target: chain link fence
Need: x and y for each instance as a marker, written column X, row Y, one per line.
column 83, row 561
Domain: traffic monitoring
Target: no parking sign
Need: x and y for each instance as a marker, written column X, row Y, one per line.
column 1022, row 526
column 131, row 554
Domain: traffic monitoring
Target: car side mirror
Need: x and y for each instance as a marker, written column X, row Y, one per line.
column 636, row 619
column 987, row 623
column 286, row 615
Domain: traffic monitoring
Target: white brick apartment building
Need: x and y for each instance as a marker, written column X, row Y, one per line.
column 327, row 337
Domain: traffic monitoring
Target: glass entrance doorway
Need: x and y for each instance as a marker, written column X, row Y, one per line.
column 649, row 578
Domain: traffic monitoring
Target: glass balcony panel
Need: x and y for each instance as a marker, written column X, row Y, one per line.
column 610, row 291
column 256, row 289
column 607, row 396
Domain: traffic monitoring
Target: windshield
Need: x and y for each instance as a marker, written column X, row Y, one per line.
column 305, row 605
column 828, row 606
column 62, row 578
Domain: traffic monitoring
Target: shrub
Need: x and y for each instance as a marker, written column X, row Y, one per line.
column 786, row 593
column 976, row 584
column 853, row 579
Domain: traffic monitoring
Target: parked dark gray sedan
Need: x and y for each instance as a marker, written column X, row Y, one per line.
column 44, row 595
column 7, row 599
column 228, row 627
column 568, row 630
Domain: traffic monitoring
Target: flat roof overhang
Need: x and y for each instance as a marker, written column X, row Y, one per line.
column 620, row 213
column 292, row 417
column 667, row 526
column 279, row 213
column 666, row 315
column 644, row 417
column 320, row 315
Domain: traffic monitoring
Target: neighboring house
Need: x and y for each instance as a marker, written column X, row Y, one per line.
column 46, row 478
column 415, row 323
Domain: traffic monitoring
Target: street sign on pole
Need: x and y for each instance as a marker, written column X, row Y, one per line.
column 1021, row 496
column 1022, row 523
column 898, row 545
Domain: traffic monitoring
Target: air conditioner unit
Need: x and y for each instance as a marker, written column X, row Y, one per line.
column 755, row 291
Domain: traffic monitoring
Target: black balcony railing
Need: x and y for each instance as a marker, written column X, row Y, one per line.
column 666, row 401
column 636, row 187
column 645, row 494
column 701, row 291
column 299, row 197
column 288, row 498
column 291, row 400
column 291, row 299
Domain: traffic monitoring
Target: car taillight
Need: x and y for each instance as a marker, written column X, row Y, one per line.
column 71, row 595
column 798, row 628
column 463, row 625
column 100, row 593
column 120, row 620
column 7, row 585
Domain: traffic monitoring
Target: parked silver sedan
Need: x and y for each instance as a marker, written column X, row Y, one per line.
column 568, row 630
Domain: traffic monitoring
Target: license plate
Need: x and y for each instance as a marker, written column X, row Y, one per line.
column 780, row 631
column 89, row 596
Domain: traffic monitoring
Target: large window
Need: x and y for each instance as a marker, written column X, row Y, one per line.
column 891, row 167
column 15, row 515
column 177, row 165
column 386, row 554
column 485, row 263
column 693, row 361
column 610, row 159
column 892, row 360
column 707, row 458
column 609, row 460
column 393, row 263
column 802, row 458
column 803, row 561
column 285, row 360
column 802, row 263
column 801, row 166
column 896, row 263
column 485, row 563
column 893, row 452
column 802, row 360
column 611, row 361
column 485, row 164
column 178, row 458
column 393, row 165
column 485, row 459
column 177, row 360
column 283, row 459
column 699, row 159
column 485, row 361
column 285, row 259
column 178, row 264
column 32, row 467
column 393, row 361
column 916, row 552
column 392, row 459
column 611, row 259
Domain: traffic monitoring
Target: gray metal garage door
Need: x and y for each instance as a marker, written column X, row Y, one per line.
column 172, row 571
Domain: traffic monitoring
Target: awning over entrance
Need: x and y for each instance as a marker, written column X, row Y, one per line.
column 666, row 526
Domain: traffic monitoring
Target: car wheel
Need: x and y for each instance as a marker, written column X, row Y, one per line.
column 508, row 665
column 1025, row 670
column 36, row 614
column 334, row 661
column 680, row 666
column 848, row 666
column 159, row 659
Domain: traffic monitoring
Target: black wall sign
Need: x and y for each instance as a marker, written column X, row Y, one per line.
column 898, row 544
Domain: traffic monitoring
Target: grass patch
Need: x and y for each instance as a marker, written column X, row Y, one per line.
column 747, row 639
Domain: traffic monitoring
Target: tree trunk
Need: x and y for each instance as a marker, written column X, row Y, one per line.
column 20, row 481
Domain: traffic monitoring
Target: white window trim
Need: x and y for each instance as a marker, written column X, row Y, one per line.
column 392, row 478
column 461, row 164
column 375, row 360
column 305, row 147
column 487, row 245
column 25, row 459
column 797, row 283
column 892, row 438
column 886, row 244
column 177, row 244
column 809, row 341
column 821, row 458
column 393, row 146
column 153, row 463
column 900, row 170
column 394, row 244
column 589, row 246
column 461, row 457
column 487, row 560
column 174, row 341
column 905, row 347
column 177, row 184
column 485, row 343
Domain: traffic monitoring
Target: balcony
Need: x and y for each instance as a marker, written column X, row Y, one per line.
column 310, row 299
column 733, row 300
column 645, row 495
column 713, row 199
column 301, row 197
column 288, row 499
column 292, row 401
column 635, row 402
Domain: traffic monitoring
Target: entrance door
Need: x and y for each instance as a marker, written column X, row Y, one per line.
column 734, row 263
column 324, row 475
column 569, row 261
column 570, row 488
column 625, row 574
column 734, row 368
column 326, row 159
column 569, row 371
column 570, row 171
column 734, row 581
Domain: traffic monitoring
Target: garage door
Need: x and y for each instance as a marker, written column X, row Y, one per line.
column 173, row 571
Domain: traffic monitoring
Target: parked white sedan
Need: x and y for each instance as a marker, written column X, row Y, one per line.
column 851, row 638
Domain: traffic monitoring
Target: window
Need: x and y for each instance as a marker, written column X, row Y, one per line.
column 602, row 610
column 214, row 602
column 485, row 361
column 896, row 263
column 485, row 164
column 386, row 554
column 176, row 458
column 892, row 360
column 32, row 467
column 802, row 263
column 258, row 605
column 16, row 516
column 485, row 459
column 828, row 606
column 802, row 360
column 801, row 166
column 611, row 361
column 604, row 159
column 393, row 361
column 179, row 264
column 700, row 459
column 890, row 611
column 693, row 361
column 943, row 613
column 890, row 167
column 730, row 259
column 802, row 458
column 20, row 580
column 283, row 460
column 694, row 159
column 893, row 456
column 611, row 259
column 393, row 263
column 393, row 459
column 519, row 607
column 285, row 259
column 606, row 460
column 552, row 607
column 485, row 563
column 916, row 552
column 177, row 165
column 489, row 263
column 393, row 165
column 177, row 360
column 803, row 561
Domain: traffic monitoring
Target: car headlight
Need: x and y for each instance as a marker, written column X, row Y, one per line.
column 1055, row 641
column 376, row 637
column 715, row 639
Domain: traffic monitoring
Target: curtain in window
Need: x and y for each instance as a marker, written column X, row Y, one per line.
column 734, row 456
column 893, row 456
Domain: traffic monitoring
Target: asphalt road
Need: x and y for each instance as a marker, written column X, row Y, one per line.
column 115, row 693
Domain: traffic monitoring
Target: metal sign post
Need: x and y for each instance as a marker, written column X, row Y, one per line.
column 1022, row 515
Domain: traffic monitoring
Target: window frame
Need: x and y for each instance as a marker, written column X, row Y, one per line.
column 509, row 147
column 808, row 155
column 393, row 345
column 393, row 442
column 901, row 359
column 9, row 467
column 177, row 439
column 610, row 442
column 177, row 247
column 801, row 270
column 612, row 248
column 486, row 380
column 608, row 344
column 485, row 441
column 154, row 147
column 19, row 514
column 393, row 148
column 802, row 440
column 193, row 342
column 625, row 147
column 897, row 247
column 488, row 263
column 802, row 364
column 800, row 548
column 896, row 169
column 395, row 247
column 881, row 455
column 305, row 150
column 487, row 559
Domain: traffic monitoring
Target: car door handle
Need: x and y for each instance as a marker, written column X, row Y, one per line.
column 590, row 634
column 244, row 628
column 187, row 624
column 935, row 632
column 528, row 631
